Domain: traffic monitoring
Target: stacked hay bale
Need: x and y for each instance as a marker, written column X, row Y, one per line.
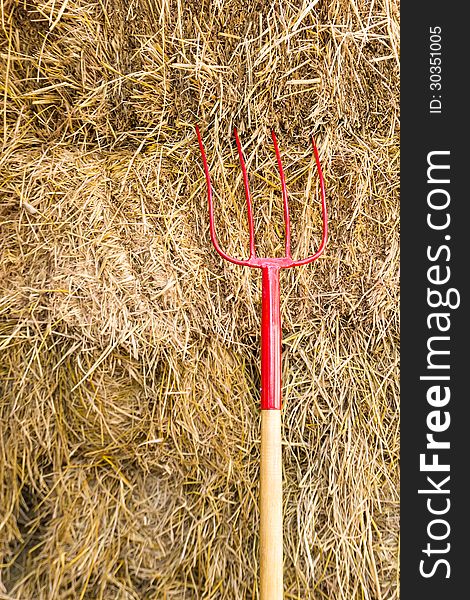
column 129, row 358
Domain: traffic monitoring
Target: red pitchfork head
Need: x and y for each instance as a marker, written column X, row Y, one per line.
column 285, row 261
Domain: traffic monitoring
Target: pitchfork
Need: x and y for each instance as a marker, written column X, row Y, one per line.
column 271, row 550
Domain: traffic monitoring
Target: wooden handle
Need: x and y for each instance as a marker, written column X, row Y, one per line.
column 271, row 506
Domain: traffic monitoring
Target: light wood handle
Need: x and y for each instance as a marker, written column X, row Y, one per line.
column 271, row 555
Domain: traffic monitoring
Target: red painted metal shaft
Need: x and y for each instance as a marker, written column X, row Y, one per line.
column 270, row 340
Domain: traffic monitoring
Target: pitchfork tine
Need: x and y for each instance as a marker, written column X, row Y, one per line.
column 284, row 195
column 214, row 239
column 324, row 214
column 249, row 205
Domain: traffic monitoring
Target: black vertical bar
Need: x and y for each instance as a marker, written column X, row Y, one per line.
column 434, row 231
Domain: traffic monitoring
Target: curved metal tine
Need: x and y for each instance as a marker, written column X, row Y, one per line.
column 313, row 257
column 214, row 239
column 284, row 195
column 249, row 205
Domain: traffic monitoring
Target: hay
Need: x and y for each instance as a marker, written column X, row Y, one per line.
column 130, row 351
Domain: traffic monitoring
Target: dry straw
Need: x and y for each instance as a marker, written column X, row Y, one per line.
column 129, row 357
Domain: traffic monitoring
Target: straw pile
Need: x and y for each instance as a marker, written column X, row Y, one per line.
column 130, row 351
